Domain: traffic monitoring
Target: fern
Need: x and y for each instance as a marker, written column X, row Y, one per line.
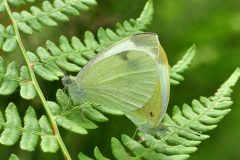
column 71, row 55
column 36, row 18
column 30, row 132
column 8, row 42
column 13, row 157
column 11, row 78
column 49, row 14
column 181, row 66
column 15, row 3
column 180, row 141
column 75, row 118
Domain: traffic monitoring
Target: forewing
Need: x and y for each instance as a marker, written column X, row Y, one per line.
column 124, row 81
column 144, row 42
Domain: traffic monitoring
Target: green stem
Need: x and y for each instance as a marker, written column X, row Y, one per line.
column 37, row 87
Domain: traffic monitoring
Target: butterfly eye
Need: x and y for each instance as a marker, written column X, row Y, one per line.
column 66, row 81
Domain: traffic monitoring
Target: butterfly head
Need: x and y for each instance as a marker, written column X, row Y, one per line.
column 77, row 92
column 68, row 80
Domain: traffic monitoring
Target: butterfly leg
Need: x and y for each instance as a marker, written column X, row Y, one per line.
column 135, row 132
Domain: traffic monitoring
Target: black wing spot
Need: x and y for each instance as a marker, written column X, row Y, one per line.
column 123, row 55
column 151, row 114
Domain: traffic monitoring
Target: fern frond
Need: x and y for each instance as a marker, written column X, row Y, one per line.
column 77, row 118
column 27, row 89
column 49, row 14
column 181, row 66
column 13, row 157
column 2, row 8
column 8, row 42
column 97, row 153
column 186, row 129
column 14, row 3
column 30, row 131
column 11, row 78
column 72, row 55
column 9, row 75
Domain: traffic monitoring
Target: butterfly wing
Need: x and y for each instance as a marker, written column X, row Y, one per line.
column 124, row 76
column 152, row 113
column 125, row 81
column 148, row 115
column 164, row 79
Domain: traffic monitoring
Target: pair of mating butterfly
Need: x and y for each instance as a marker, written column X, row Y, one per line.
column 131, row 76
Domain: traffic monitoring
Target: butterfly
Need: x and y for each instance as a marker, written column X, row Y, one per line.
column 130, row 76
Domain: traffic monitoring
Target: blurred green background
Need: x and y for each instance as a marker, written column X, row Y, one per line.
column 214, row 26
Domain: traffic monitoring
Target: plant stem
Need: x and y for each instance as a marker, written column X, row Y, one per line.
column 37, row 87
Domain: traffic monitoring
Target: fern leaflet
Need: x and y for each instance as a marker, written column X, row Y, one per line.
column 30, row 132
column 181, row 66
column 13, row 157
column 8, row 42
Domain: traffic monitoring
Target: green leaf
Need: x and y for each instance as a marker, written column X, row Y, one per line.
column 13, row 157
column 49, row 142
column 27, row 90
column 19, row 2
column 11, row 132
column 181, row 66
column 2, row 8
column 2, row 35
column 49, row 14
column 76, row 118
column 82, row 156
column 9, row 79
column 98, row 155
column 29, row 140
column 118, row 149
column 30, row 132
column 8, row 42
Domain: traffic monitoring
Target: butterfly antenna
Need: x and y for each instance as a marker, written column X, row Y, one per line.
column 135, row 133
column 68, row 103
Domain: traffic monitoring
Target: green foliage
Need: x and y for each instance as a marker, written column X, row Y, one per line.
column 75, row 118
column 15, row 3
column 36, row 18
column 185, row 130
column 181, row 66
column 11, row 78
column 13, row 157
column 30, row 132
column 49, row 14
column 8, row 42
